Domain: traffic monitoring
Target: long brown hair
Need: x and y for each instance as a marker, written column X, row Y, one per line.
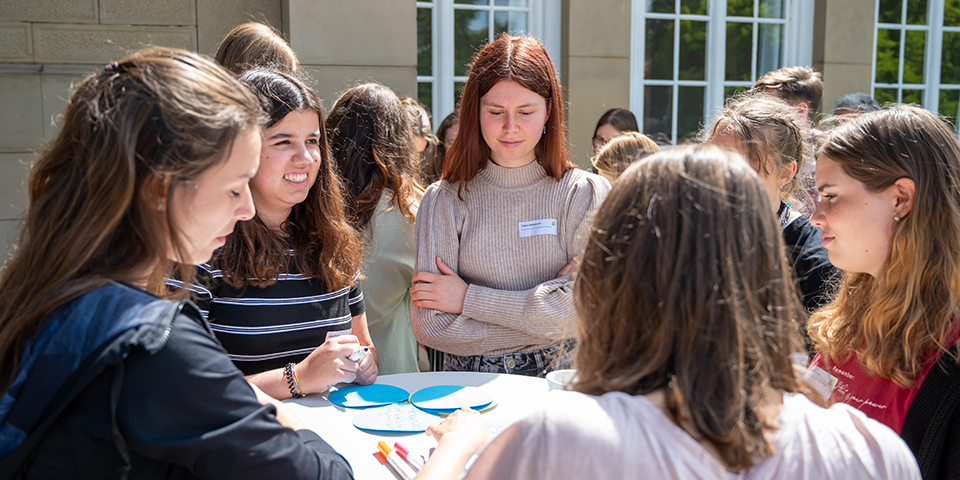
column 326, row 246
column 771, row 133
column 518, row 59
column 251, row 45
column 159, row 118
column 372, row 145
column 684, row 286
column 894, row 321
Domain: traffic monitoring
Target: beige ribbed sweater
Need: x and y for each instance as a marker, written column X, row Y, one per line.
column 514, row 302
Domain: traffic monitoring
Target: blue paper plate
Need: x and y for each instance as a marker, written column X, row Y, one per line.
column 362, row 396
column 449, row 398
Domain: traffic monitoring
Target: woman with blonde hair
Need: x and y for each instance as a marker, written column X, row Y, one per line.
column 102, row 378
column 769, row 133
column 890, row 214
column 701, row 384
column 618, row 154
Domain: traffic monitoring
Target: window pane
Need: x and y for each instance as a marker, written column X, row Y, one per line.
column 739, row 48
column 661, row 6
column 913, row 57
column 951, row 13
column 425, row 94
column 888, row 56
column 917, row 12
column 470, row 29
column 693, row 50
column 510, row 3
column 457, row 93
column 658, row 58
column 731, row 91
column 513, row 22
column 771, row 8
column 949, row 103
column 912, row 96
column 696, row 7
column 885, row 96
column 472, row 2
column 769, row 44
column 950, row 59
column 689, row 113
column 739, row 8
column 424, row 42
column 657, row 105
column 890, row 11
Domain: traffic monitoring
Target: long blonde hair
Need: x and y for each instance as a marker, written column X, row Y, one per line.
column 892, row 322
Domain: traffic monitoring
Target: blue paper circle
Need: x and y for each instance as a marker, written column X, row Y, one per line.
column 361, row 396
column 443, row 398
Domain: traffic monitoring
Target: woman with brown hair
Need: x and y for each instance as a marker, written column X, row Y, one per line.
column 250, row 45
column 372, row 147
column 613, row 123
column 283, row 294
column 890, row 214
column 497, row 236
column 769, row 133
column 100, row 377
column 446, row 134
column 684, row 358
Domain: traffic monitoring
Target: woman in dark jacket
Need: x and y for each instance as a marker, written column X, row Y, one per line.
column 100, row 376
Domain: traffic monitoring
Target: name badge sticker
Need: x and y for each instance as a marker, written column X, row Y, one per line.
column 337, row 334
column 821, row 381
column 547, row 226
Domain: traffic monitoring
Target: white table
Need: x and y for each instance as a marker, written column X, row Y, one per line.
column 514, row 395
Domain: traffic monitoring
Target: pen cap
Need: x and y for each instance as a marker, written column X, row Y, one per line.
column 384, row 448
column 401, row 450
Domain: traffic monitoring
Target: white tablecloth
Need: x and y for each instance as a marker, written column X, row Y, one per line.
column 514, row 395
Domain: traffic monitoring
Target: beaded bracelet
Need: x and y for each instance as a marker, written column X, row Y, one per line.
column 292, row 381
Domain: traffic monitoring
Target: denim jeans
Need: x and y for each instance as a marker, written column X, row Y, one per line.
column 533, row 364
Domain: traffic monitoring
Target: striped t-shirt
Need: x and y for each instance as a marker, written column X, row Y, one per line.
column 266, row 328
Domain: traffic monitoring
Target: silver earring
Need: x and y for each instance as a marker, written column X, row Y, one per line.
column 160, row 206
column 896, row 218
column 544, row 128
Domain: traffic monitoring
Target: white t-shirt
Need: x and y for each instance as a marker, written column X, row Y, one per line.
column 617, row 435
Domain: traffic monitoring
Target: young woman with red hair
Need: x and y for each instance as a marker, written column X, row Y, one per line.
column 496, row 238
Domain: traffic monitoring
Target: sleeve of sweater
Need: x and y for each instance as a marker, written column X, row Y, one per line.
column 491, row 317
column 188, row 405
column 545, row 310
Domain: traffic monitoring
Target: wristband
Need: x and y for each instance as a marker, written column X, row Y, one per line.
column 292, row 382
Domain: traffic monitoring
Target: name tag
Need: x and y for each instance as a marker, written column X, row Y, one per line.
column 337, row 334
column 821, row 381
column 547, row 226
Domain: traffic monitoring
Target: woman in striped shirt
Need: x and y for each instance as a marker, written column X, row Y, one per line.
column 282, row 295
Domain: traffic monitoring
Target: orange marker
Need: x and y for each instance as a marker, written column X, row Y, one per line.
column 396, row 462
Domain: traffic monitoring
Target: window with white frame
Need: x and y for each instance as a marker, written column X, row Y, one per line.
column 449, row 32
column 687, row 56
column 917, row 54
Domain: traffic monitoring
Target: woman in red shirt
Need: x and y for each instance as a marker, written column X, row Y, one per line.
column 890, row 215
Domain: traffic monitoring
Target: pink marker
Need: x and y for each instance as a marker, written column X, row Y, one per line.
column 415, row 460
column 396, row 462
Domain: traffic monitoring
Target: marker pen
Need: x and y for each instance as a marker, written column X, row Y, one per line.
column 358, row 354
column 396, row 462
column 412, row 458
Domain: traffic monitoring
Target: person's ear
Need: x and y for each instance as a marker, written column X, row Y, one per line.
column 904, row 190
column 787, row 172
column 803, row 109
column 154, row 191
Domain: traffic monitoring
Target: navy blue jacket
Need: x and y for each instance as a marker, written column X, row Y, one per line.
column 121, row 384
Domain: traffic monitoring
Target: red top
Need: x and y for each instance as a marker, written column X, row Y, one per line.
column 879, row 398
